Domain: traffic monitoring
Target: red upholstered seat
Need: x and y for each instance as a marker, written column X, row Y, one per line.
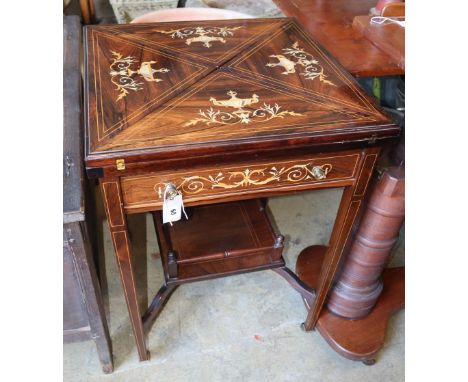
column 188, row 14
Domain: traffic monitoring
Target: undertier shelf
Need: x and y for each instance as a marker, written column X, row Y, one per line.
column 218, row 240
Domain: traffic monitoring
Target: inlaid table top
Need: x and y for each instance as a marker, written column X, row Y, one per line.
column 158, row 90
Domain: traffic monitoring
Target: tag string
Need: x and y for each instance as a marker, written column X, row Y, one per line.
column 183, row 208
column 382, row 20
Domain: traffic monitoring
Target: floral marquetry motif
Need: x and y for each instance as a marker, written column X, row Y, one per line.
column 214, row 182
column 248, row 177
column 122, row 74
column 167, row 89
column 205, row 35
column 260, row 114
column 311, row 68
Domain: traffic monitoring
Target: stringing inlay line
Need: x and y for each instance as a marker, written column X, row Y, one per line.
column 244, row 56
column 109, row 130
column 198, row 87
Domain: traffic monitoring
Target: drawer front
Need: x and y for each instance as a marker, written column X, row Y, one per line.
column 256, row 177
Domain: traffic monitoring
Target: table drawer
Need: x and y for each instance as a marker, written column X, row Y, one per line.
column 249, row 178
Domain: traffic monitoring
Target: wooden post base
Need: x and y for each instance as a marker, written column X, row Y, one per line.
column 360, row 339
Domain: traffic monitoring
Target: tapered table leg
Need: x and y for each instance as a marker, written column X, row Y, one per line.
column 111, row 193
column 349, row 207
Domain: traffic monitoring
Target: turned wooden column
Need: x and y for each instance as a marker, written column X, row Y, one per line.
column 360, row 284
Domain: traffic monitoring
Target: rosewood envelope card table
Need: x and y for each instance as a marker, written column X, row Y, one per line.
column 226, row 114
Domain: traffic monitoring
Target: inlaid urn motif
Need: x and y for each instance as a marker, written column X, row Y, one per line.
column 201, row 34
column 240, row 114
column 155, row 88
column 122, row 74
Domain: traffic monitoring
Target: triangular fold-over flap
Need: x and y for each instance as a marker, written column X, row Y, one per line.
column 151, row 91
column 212, row 41
column 127, row 81
column 289, row 58
column 223, row 108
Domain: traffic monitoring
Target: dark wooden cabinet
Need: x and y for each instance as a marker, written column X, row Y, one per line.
column 224, row 111
column 83, row 311
column 75, row 318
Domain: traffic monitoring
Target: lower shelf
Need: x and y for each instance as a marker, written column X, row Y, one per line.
column 218, row 240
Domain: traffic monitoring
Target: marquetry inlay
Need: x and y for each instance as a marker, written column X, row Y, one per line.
column 201, row 34
column 311, row 68
column 246, row 177
column 261, row 114
column 153, row 90
column 122, row 75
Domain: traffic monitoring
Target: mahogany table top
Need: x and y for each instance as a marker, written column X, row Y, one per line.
column 184, row 89
column 330, row 22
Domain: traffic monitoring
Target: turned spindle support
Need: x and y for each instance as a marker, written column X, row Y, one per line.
column 360, row 283
column 354, row 321
column 172, row 264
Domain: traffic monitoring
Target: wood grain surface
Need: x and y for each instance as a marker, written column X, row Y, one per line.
column 330, row 23
column 208, row 245
column 389, row 37
column 181, row 89
column 248, row 178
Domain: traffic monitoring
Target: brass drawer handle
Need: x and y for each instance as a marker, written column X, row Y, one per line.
column 320, row 172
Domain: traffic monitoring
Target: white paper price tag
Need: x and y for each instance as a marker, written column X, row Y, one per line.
column 172, row 209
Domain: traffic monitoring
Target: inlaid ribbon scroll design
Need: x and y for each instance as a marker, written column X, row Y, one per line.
column 312, row 68
column 201, row 34
column 245, row 178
